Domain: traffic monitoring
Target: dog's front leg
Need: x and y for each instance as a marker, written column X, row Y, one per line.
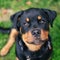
column 10, row 42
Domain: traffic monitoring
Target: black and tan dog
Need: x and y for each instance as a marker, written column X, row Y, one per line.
column 31, row 32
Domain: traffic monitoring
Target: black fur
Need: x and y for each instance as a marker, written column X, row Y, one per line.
column 19, row 20
column 5, row 30
column 48, row 16
column 22, row 52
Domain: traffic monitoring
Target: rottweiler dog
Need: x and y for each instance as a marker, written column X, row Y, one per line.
column 30, row 31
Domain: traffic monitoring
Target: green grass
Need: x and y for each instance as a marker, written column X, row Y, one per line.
column 3, row 41
column 18, row 5
column 21, row 4
column 54, row 32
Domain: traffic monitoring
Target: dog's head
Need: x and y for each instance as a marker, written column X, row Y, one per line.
column 33, row 25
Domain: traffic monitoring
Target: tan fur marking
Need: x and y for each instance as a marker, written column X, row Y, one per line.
column 32, row 47
column 39, row 17
column 27, row 19
column 44, row 34
column 28, row 37
column 10, row 42
column 17, row 58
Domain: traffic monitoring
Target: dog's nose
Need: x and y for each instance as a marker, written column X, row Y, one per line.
column 36, row 32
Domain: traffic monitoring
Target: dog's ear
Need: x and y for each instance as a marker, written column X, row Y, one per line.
column 15, row 18
column 51, row 15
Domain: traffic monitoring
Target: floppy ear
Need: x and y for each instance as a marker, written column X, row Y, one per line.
column 15, row 19
column 51, row 15
column 16, row 15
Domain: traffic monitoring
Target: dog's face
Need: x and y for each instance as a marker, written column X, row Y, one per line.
column 34, row 26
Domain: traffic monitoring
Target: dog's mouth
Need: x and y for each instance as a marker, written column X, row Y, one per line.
column 36, row 41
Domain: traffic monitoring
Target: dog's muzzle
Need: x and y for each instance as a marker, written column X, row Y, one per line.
column 36, row 37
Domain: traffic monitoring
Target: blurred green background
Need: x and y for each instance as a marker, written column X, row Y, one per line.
column 8, row 7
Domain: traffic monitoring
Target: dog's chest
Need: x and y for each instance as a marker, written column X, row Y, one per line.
column 24, row 54
column 32, row 56
column 39, row 55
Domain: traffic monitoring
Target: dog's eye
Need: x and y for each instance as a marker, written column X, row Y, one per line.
column 26, row 24
column 42, row 21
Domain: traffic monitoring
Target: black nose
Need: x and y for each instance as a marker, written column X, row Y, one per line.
column 36, row 32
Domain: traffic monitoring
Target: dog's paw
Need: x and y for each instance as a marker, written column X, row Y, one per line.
column 4, row 51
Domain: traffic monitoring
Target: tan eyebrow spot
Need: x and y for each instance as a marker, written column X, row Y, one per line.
column 27, row 19
column 39, row 17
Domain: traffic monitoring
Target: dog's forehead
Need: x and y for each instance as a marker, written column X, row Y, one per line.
column 32, row 13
